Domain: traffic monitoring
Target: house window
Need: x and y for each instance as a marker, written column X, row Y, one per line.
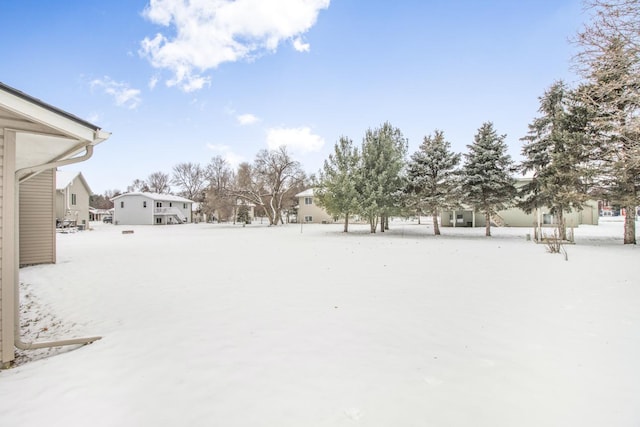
column 184, row 206
column 158, row 204
column 73, row 199
column 170, row 204
column 308, row 218
column 308, row 200
column 158, row 220
column 122, row 204
column 144, row 203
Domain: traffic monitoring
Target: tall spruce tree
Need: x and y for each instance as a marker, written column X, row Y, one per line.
column 380, row 180
column 431, row 176
column 487, row 181
column 336, row 187
column 555, row 155
column 610, row 62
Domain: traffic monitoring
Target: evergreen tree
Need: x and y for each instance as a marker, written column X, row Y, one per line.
column 487, row 182
column 243, row 214
column 336, row 187
column 554, row 153
column 610, row 62
column 431, row 176
column 380, row 180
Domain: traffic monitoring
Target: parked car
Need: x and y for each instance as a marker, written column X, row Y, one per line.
column 108, row 219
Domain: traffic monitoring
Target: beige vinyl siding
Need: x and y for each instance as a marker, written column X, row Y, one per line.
column 60, row 204
column 7, row 250
column 80, row 209
column 3, row 355
column 311, row 212
column 37, row 220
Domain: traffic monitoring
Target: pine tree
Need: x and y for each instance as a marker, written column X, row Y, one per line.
column 554, row 152
column 380, row 180
column 487, row 182
column 610, row 62
column 243, row 214
column 336, row 187
column 431, row 176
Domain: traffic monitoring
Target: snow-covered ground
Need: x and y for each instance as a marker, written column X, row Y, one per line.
column 222, row 325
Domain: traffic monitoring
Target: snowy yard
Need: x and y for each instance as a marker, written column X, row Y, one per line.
column 220, row 325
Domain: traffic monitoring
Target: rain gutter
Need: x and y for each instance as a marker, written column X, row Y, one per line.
column 22, row 174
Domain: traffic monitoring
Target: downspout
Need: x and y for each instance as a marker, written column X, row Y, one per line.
column 21, row 173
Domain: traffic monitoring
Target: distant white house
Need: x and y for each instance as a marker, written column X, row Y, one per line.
column 72, row 198
column 99, row 214
column 151, row 208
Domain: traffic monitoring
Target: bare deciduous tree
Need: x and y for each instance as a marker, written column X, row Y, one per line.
column 137, row 185
column 218, row 201
column 269, row 182
column 158, row 182
column 191, row 179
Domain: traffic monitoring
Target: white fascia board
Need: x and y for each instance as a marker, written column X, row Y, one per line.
column 50, row 118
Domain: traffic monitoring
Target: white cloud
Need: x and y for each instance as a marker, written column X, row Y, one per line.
column 226, row 152
column 123, row 95
column 153, row 82
column 247, row 119
column 209, row 33
column 300, row 46
column 297, row 139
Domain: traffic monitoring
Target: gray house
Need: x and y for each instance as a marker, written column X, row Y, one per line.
column 35, row 139
column 151, row 209
column 515, row 217
column 72, row 198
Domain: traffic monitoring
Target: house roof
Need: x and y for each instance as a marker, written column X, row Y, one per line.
column 44, row 133
column 65, row 178
column 306, row 193
column 156, row 196
column 46, row 106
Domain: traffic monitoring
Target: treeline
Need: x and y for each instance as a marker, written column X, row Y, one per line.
column 585, row 144
column 269, row 183
column 375, row 181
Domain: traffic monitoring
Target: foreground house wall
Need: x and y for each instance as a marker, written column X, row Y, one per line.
column 6, row 348
column 7, row 249
column 34, row 137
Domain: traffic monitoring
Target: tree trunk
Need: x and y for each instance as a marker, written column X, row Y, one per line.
column 562, row 228
column 630, row 225
column 487, row 225
column 436, row 228
column 382, row 223
column 386, row 222
column 373, row 223
column 346, row 223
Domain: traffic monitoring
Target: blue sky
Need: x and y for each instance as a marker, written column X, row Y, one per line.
column 177, row 83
